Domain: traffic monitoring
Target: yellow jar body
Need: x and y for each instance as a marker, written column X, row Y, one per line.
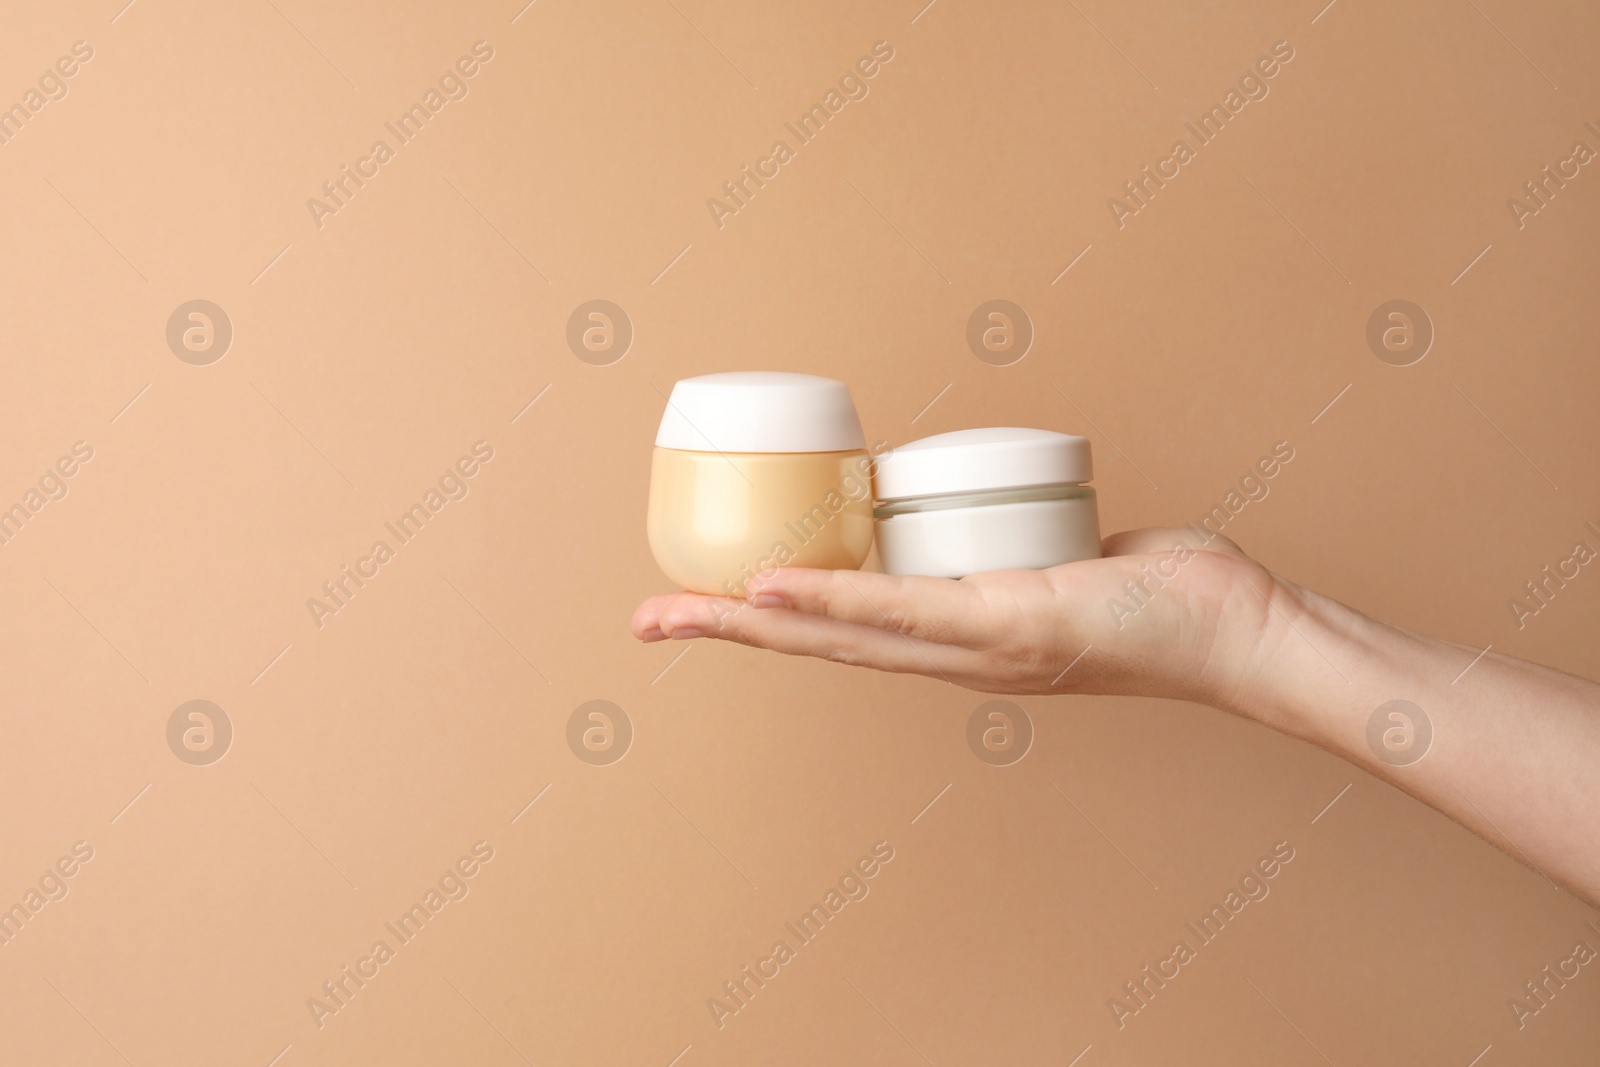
column 716, row 520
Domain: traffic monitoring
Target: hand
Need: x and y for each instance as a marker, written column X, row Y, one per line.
column 1165, row 614
column 1161, row 614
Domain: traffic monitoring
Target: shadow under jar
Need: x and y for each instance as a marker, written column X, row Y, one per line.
column 754, row 470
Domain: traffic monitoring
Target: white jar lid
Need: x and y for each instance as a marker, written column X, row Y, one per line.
column 760, row 411
column 997, row 457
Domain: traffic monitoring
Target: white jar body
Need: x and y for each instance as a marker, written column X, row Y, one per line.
column 953, row 542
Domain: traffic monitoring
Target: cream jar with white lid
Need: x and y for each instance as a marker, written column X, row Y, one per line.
column 998, row 498
column 754, row 470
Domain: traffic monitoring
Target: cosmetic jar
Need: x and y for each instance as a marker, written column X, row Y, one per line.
column 754, row 470
column 985, row 500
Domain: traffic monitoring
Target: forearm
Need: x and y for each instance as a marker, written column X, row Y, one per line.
column 1514, row 752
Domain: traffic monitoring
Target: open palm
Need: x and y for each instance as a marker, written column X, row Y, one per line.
column 1147, row 618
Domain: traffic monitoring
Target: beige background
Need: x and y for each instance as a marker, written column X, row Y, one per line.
column 370, row 353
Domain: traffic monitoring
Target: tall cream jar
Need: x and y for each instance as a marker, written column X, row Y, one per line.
column 991, row 499
column 754, row 470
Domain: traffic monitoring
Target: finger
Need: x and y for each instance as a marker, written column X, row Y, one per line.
column 796, row 633
column 643, row 624
column 936, row 610
column 647, row 618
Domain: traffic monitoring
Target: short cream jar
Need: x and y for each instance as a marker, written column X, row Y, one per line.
column 754, row 470
column 986, row 500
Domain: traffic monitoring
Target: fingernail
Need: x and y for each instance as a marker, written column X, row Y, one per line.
column 767, row 600
column 652, row 634
column 686, row 633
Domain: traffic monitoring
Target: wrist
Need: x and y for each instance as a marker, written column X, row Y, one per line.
column 1304, row 659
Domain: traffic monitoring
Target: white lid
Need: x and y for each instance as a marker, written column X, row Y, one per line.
column 760, row 411
column 997, row 457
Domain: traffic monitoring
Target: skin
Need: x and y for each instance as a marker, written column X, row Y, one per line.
column 1515, row 752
